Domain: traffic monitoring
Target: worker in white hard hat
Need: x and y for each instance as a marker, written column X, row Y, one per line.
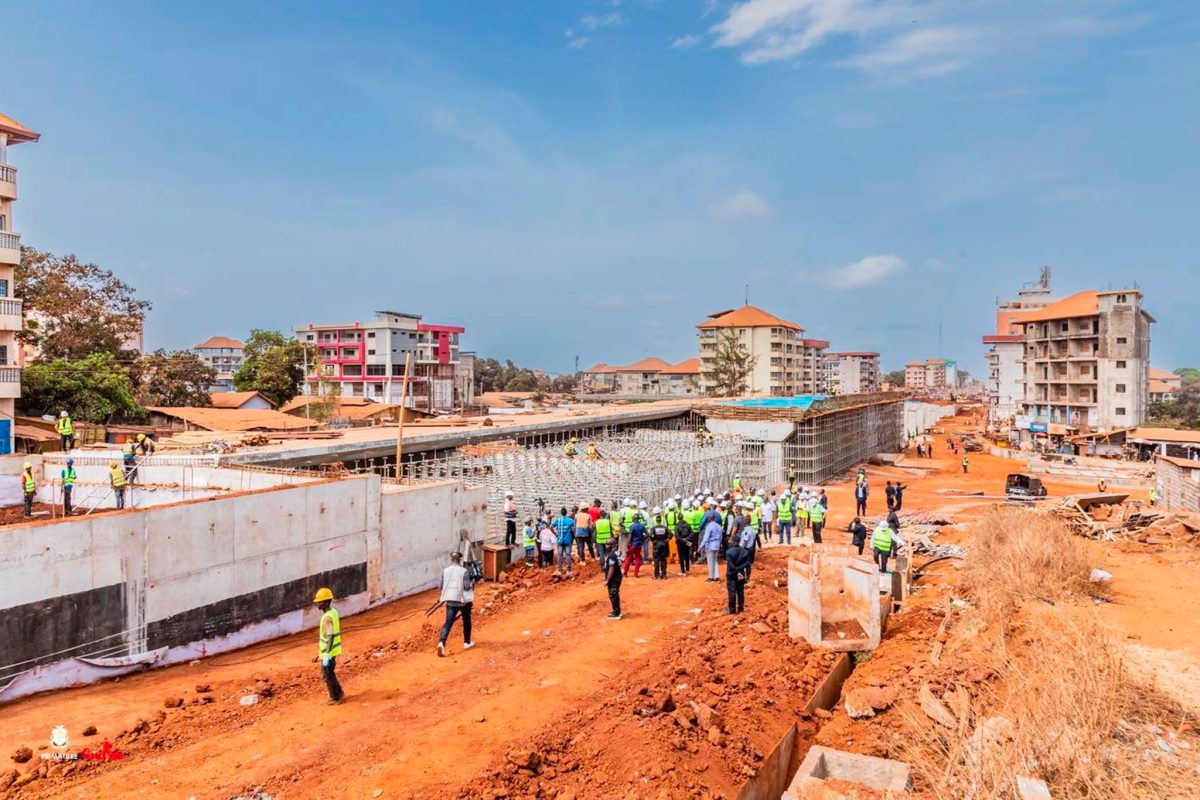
column 510, row 520
column 66, row 431
column 678, row 498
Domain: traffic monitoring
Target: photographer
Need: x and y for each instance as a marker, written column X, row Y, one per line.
column 457, row 593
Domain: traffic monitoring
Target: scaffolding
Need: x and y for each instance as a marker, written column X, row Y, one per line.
column 641, row 463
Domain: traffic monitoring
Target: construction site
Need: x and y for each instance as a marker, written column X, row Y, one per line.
column 1017, row 648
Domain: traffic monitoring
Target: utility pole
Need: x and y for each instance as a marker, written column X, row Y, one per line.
column 747, row 294
column 307, row 397
column 400, row 415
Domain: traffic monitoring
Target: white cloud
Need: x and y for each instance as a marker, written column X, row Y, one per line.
column 864, row 272
column 576, row 42
column 904, row 38
column 684, row 42
column 742, row 205
column 594, row 22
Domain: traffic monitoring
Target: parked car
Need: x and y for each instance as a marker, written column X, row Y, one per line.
column 1019, row 485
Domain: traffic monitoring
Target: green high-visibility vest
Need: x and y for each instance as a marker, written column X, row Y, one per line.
column 737, row 483
column 784, row 508
column 817, row 512
column 527, row 539
column 65, row 428
column 881, row 540
column 802, row 511
column 118, row 477
column 694, row 517
column 627, row 518
column 603, row 530
column 68, row 476
column 330, row 644
column 30, row 483
column 755, row 516
column 672, row 519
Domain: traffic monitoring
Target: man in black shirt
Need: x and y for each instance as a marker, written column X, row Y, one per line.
column 890, row 493
column 858, row 534
column 900, row 487
column 660, row 538
column 612, row 579
column 737, row 564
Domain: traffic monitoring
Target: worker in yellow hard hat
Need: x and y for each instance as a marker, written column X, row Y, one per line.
column 569, row 449
column 116, row 476
column 329, row 643
column 145, row 444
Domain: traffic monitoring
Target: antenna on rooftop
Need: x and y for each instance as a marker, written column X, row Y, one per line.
column 747, row 294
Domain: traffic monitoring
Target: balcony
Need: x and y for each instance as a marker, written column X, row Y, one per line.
column 10, row 248
column 11, row 318
column 10, row 382
column 8, row 182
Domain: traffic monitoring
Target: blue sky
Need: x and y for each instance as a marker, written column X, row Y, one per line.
column 593, row 178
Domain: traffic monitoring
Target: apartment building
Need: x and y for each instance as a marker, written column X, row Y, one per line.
column 851, row 373
column 1087, row 363
column 935, row 376
column 1004, row 385
column 223, row 354
column 788, row 364
column 366, row 359
column 648, row 377
column 12, row 318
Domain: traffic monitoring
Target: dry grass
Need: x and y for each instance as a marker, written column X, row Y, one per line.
column 1018, row 555
column 1061, row 707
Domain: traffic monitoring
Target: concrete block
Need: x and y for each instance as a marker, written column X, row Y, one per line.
column 825, row 763
column 834, row 599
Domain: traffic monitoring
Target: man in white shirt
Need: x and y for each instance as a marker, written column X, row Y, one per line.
column 457, row 593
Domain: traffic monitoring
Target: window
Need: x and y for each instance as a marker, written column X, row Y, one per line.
column 3, row 354
column 376, row 370
column 1120, row 365
column 1064, row 327
column 352, row 370
column 1120, row 412
column 1120, row 298
column 3, row 222
column 398, row 369
column 1120, row 388
column 370, row 352
column 3, row 288
column 309, row 336
column 1121, row 340
column 370, row 334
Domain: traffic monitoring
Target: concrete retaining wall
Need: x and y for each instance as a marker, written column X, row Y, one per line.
column 1180, row 486
column 921, row 417
column 180, row 581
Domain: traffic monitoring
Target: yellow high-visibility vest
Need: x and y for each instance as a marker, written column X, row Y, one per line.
column 331, row 644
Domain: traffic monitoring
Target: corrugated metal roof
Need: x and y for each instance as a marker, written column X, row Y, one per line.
column 236, row 419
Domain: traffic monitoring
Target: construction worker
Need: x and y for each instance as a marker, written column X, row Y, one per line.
column 1153, row 495
column 700, row 436
column 529, row 542
column 604, row 537
column 737, row 483
column 569, row 450
column 816, row 516
column 791, row 477
column 708, row 437
column 861, row 478
column 785, row 510
column 329, row 644
column 29, row 486
column 116, row 476
column 510, row 520
column 66, row 431
column 883, row 544
column 458, row 593
column 592, row 452
column 660, row 539
column 68, row 484
column 145, row 444
column 966, row 463
column 637, row 541
column 802, row 502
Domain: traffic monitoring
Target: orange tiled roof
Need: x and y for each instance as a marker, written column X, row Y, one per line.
column 235, row 419
column 748, row 317
column 1157, row 374
column 645, row 365
column 1160, row 387
column 1080, row 304
column 601, row 368
column 17, row 132
column 689, row 366
column 221, row 341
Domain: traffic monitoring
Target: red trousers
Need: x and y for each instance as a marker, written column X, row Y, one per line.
column 634, row 554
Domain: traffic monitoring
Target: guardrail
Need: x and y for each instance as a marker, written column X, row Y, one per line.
column 8, row 174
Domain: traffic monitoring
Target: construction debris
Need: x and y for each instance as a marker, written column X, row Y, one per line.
column 1113, row 517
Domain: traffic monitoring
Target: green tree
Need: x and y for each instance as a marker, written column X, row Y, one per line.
column 1182, row 412
column 274, row 365
column 94, row 389
column 180, row 378
column 74, row 309
column 895, row 378
column 1190, row 375
column 523, row 382
column 731, row 366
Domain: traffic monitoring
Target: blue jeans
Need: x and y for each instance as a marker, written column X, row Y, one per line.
column 564, row 557
column 785, row 527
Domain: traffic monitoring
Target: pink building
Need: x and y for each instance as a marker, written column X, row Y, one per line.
column 366, row 359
